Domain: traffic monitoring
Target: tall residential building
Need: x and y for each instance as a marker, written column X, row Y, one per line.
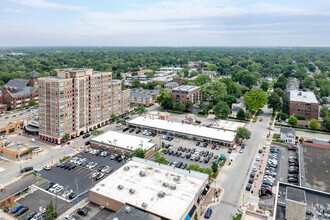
column 77, row 101
column 186, row 93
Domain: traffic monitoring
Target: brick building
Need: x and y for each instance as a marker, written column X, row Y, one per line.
column 141, row 99
column 18, row 92
column 304, row 103
column 186, row 93
column 77, row 101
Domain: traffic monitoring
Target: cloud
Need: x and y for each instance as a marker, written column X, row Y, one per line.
column 48, row 5
column 11, row 10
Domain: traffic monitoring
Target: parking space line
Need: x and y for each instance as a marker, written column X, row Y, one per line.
column 80, row 171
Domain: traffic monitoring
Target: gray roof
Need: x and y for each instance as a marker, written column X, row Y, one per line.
column 140, row 95
column 300, row 96
column 288, row 131
column 21, row 86
column 17, row 186
column 295, row 194
column 146, row 91
column 133, row 214
column 170, row 84
column 186, row 88
column 34, row 74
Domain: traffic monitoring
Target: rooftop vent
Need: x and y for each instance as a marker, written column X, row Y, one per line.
column 144, row 205
column 126, row 167
column 127, row 209
column 172, row 187
column 161, row 194
column 165, row 184
column 115, row 218
column 132, row 191
column 142, row 173
column 300, row 93
column 120, row 187
column 176, row 178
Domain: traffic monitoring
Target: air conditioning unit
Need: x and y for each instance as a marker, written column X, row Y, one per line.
column 126, row 167
column 120, row 187
column 127, row 209
column 165, row 184
column 161, row 194
column 172, row 187
column 142, row 173
column 176, row 178
column 144, row 205
column 132, row 191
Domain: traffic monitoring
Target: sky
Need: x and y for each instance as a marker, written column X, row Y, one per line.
column 172, row 23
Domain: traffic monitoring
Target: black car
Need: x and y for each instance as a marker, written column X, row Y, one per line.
column 170, row 152
column 251, row 180
column 82, row 212
column 87, row 143
column 192, row 150
column 6, row 209
column 260, row 151
column 201, row 153
column 188, row 156
column 21, row 211
column 98, row 153
column 30, row 215
column 205, row 144
column 72, row 195
column 66, row 166
column 50, row 185
column 71, row 167
column 125, row 129
column 252, row 175
column 184, row 149
column 120, row 159
column 178, row 165
column 292, row 180
column 26, row 169
column 166, row 151
column 248, row 187
column 183, row 166
column 197, row 158
column 86, row 135
column 137, row 131
column 230, row 150
column 130, row 131
column 100, row 168
column 206, row 160
column 210, row 155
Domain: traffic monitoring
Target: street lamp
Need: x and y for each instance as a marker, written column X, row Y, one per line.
column 76, row 182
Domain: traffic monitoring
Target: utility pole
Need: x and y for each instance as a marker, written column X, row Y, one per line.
column 76, row 182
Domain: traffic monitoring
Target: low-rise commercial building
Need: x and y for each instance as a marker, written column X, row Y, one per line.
column 186, row 93
column 187, row 131
column 304, row 103
column 156, row 188
column 122, row 143
column 9, row 125
column 172, row 69
column 227, row 125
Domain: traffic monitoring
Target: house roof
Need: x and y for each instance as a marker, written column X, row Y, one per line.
column 17, row 83
column 21, row 86
column 17, row 186
column 140, row 95
column 288, row 131
column 34, row 74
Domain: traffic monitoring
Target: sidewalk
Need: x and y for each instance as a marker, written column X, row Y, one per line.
column 209, row 200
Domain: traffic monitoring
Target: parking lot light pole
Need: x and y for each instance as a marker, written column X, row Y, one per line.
column 76, row 182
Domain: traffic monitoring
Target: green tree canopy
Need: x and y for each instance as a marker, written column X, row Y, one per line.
column 139, row 152
column 189, row 105
column 201, row 79
column 230, row 99
column 275, row 102
column 324, row 111
column 243, row 133
column 222, row 109
column 217, row 90
column 293, row 121
column 241, row 114
column 141, row 110
column 314, row 124
column 255, row 99
column 135, row 84
column 32, row 102
column 162, row 95
column 167, row 103
column 214, row 167
column 264, row 86
column 179, row 106
column 50, row 213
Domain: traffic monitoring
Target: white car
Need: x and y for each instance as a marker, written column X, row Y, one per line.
column 105, row 169
column 66, row 193
column 94, row 175
column 241, row 150
column 192, row 157
column 33, row 140
column 47, row 167
column 257, row 158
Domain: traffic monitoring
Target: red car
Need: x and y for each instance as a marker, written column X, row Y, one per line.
column 213, row 147
column 180, row 148
column 260, row 119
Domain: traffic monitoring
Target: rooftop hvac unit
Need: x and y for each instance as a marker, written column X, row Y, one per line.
column 176, row 178
column 127, row 209
column 165, row 184
column 161, row 194
column 126, row 167
column 120, row 187
column 172, row 187
column 142, row 173
column 144, row 205
column 115, row 218
column 132, row 191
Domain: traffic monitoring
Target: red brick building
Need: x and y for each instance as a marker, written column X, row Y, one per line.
column 186, row 93
column 304, row 103
column 18, row 92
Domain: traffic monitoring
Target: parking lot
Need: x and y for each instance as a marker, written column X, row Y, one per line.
column 81, row 176
column 94, row 212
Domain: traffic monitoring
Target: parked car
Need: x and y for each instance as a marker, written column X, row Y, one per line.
column 87, row 143
column 30, row 215
column 17, row 208
column 125, row 129
column 248, row 187
column 26, row 169
column 86, row 135
column 50, row 185
column 82, row 212
column 251, row 180
column 208, row 213
column 230, row 150
column 47, row 167
column 131, row 130
column 22, row 211
column 198, row 143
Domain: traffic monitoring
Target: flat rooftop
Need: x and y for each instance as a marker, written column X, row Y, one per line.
column 301, row 96
column 129, row 212
column 195, row 130
column 174, row 204
column 124, row 141
column 314, row 199
column 186, row 88
column 227, row 125
column 295, row 194
column 5, row 119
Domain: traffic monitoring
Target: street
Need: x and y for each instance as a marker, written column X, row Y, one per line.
column 234, row 178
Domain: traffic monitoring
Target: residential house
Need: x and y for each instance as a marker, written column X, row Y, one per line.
column 288, row 135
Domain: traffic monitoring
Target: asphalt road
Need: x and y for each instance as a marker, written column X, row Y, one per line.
column 233, row 178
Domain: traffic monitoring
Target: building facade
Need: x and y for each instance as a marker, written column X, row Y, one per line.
column 186, row 93
column 18, row 92
column 288, row 135
column 77, row 101
column 304, row 103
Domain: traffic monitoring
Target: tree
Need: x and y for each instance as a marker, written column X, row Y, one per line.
column 66, row 137
column 264, row 86
column 241, row 114
column 230, row 99
column 162, row 95
column 314, row 124
column 32, row 102
column 293, row 121
column 179, row 106
column 167, row 103
column 30, row 150
column 217, row 90
column 255, row 99
column 200, row 80
column 193, row 73
column 327, row 121
column 243, row 133
column 163, row 144
column 249, row 80
column 139, row 152
column 311, row 68
column 141, row 110
column 189, row 105
column 50, row 213
column 324, row 111
column 214, row 167
column 135, row 84
column 275, row 102
column 222, row 109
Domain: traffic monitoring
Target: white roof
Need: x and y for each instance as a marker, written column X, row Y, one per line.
column 124, row 141
column 176, row 202
column 227, row 125
column 195, row 130
column 300, row 96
